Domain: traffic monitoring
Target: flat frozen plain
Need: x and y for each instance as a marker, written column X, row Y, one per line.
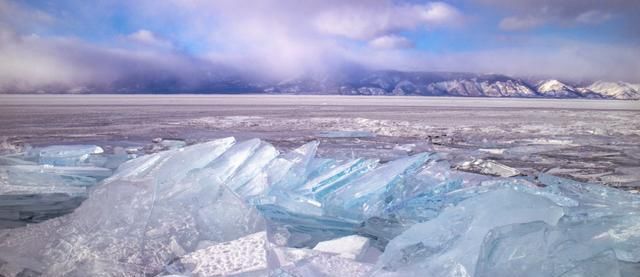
column 313, row 100
column 588, row 140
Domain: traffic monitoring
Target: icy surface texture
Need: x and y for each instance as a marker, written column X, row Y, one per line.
column 450, row 243
column 46, row 182
column 242, row 256
column 140, row 218
column 245, row 209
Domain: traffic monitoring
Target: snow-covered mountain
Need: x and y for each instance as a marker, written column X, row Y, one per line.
column 413, row 83
column 616, row 90
column 452, row 84
column 555, row 88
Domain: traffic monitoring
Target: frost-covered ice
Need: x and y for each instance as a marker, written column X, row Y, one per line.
column 243, row 208
column 353, row 247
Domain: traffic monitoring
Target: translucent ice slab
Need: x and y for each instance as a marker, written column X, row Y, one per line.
column 538, row 249
column 46, row 182
column 368, row 195
column 451, row 242
column 66, row 154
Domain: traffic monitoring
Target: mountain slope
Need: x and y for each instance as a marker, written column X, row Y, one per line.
column 449, row 84
column 412, row 83
column 616, row 90
column 555, row 88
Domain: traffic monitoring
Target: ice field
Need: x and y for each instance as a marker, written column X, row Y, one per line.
column 261, row 187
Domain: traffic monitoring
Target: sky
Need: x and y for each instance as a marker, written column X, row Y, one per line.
column 75, row 43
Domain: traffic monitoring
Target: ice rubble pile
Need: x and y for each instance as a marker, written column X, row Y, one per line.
column 242, row 208
column 41, row 183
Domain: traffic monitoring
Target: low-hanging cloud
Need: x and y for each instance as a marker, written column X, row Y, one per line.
column 35, row 64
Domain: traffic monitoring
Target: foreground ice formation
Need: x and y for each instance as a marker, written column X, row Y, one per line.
column 46, row 182
column 245, row 209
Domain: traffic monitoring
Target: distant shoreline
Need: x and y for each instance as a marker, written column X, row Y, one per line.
column 310, row 100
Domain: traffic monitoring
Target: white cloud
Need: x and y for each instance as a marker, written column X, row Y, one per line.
column 391, row 42
column 16, row 17
column 148, row 38
column 593, row 17
column 514, row 23
column 31, row 63
column 366, row 22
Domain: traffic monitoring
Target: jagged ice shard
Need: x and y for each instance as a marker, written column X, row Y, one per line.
column 245, row 209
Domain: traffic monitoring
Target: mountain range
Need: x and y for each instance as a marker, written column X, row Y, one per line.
column 365, row 82
column 456, row 84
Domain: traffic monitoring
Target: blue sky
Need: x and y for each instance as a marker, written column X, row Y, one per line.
column 74, row 41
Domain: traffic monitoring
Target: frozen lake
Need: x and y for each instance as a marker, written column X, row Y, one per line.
column 588, row 140
column 312, row 100
column 345, row 186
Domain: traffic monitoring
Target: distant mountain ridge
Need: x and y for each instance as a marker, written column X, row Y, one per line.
column 358, row 81
column 454, row 84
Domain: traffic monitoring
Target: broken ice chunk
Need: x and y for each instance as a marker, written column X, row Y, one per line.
column 172, row 143
column 91, row 171
column 314, row 228
column 222, row 168
column 538, row 249
column 287, row 256
column 451, row 242
column 182, row 161
column 488, row 167
column 293, row 167
column 592, row 196
column 249, row 256
column 368, row 195
column 140, row 167
column 62, row 155
column 335, row 177
column 282, row 173
column 246, row 255
column 32, row 192
column 323, row 264
column 253, row 166
column 351, row 247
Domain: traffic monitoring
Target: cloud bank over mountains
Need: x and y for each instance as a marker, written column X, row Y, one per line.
column 75, row 44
